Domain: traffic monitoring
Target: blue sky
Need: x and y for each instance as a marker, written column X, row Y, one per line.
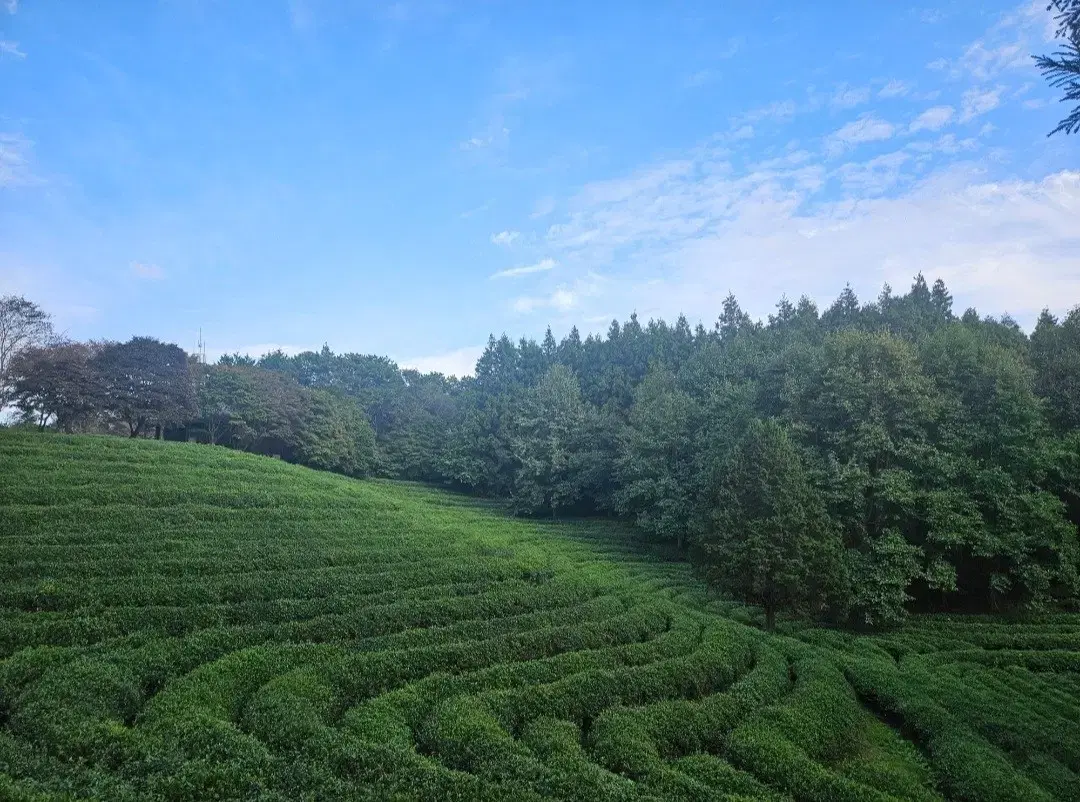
column 406, row 178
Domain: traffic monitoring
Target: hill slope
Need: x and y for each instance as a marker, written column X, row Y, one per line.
column 184, row 622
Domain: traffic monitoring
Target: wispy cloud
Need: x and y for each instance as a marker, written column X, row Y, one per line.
column 932, row 119
column 873, row 177
column 483, row 207
column 496, row 135
column 517, row 81
column 777, row 111
column 562, row 299
column 894, row 88
column 146, row 270
column 1005, row 46
column 700, row 78
column 10, row 48
column 848, row 97
column 12, row 6
column 15, row 170
column 676, row 236
column 301, row 16
column 979, row 101
column 543, row 207
column 505, row 238
column 868, row 128
column 542, row 266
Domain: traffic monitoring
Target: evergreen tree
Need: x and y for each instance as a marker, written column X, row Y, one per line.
column 1062, row 69
column 771, row 542
column 657, row 466
column 548, row 424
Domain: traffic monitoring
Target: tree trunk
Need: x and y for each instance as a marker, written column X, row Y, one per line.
column 770, row 617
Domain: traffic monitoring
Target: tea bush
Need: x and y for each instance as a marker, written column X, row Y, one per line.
column 182, row 622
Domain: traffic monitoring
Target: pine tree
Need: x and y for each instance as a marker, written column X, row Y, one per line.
column 771, row 542
column 1062, row 69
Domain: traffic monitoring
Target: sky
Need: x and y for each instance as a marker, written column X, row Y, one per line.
column 407, row 178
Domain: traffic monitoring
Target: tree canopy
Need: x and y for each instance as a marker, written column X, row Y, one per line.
column 855, row 464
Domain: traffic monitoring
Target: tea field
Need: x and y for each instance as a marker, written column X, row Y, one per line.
column 182, row 622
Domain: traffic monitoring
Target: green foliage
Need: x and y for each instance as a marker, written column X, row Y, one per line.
column 1062, row 69
column 943, row 448
column 770, row 541
column 179, row 622
column 547, row 429
column 145, row 382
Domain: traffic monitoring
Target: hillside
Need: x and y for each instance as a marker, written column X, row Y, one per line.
column 180, row 621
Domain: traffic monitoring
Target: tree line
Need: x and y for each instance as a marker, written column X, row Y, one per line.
column 850, row 465
column 144, row 387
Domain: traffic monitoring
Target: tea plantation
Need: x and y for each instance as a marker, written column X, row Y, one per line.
column 185, row 622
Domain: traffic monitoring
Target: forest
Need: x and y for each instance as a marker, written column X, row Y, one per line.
column 851, row 466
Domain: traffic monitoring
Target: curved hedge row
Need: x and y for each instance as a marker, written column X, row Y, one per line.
column 182, row 623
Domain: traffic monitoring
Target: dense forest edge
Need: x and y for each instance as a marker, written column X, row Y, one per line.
column 850, row 466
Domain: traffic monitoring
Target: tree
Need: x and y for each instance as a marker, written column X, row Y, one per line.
column 56, row 384
column 334, row 435
column 866, row 410
column 249, row 408
column 548, row 423
column 23, row 324
column 992, row 523
column 656, row 469
column 1055, row 355
column 146, row 382
column 771, row 542
column 1062, row 69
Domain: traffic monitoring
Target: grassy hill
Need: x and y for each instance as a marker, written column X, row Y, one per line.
column 185, row 622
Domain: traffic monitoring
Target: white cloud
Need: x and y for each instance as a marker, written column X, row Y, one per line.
column 677, row 236
column 979, row 101
column 544, row 206
column 932, row 119
column 1005, row 46
column 542, row 266
column 483, row 207
column 11, row 48
column 147, row 271
column 480, row 142
column 868, row 128
column 746, row 132
column 15, row 168
column 848, row 97
column 562, row 299
column 778, row 111
column 938, row 64
column 946, row 143
column 874, row 176
column 894, row 88
column 700, row 78
column 12, row 6
column 1035, row 103
column 505, row 238
column 460, row 362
